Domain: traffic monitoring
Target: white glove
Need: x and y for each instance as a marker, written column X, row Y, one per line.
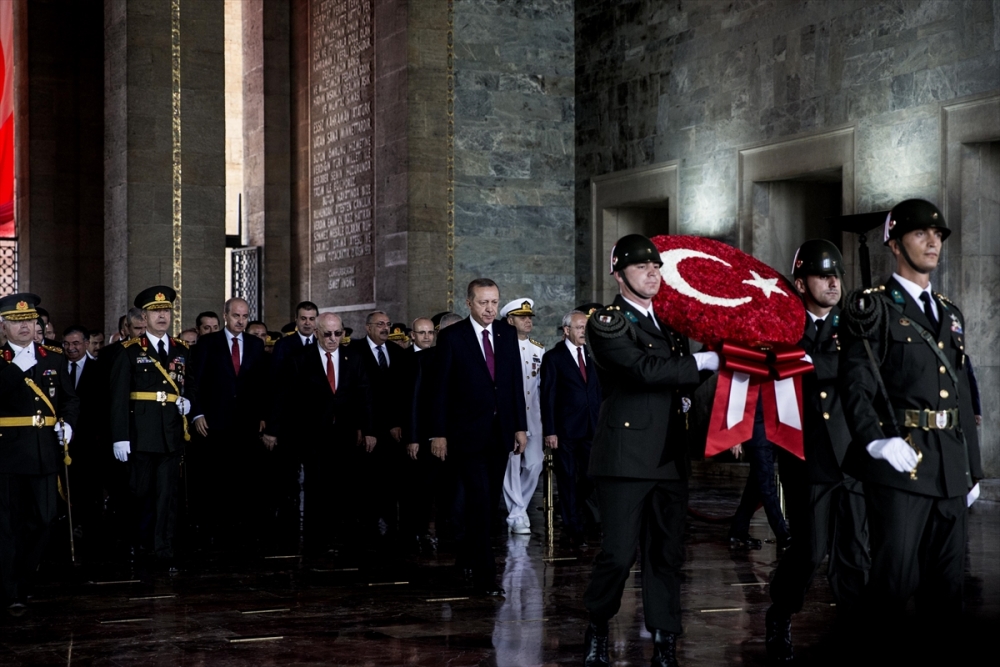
column 69, row 432
column 896, row 451
column 807, row 359
column 707, row 361
column 183, row 405
column 122, row 450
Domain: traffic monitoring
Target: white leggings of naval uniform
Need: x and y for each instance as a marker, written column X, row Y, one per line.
column 521, row 478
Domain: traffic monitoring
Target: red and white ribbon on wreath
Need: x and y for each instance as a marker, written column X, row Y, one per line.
column 775, row 375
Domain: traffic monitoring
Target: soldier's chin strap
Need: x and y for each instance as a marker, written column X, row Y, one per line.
column 621, row 274
column 906, row 256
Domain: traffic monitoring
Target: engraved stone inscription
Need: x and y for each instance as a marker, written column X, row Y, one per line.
column 341, row 173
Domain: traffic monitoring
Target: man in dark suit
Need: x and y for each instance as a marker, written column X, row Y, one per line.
column 35, row 393
column 825, row 506
column 324, row 417
column 479, row 418
column 227, row 387
column 639, row 459
column 148, row 415
column 389, row 370
column 910, row 393
column 571, row 402
column 304, row 334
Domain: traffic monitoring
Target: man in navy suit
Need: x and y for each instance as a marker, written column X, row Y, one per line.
column 229, row 374
column 325, row 418
column 305, row 333
column 479, row 417
column 571, row 401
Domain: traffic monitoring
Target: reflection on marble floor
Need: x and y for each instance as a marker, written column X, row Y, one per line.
column 286, row 611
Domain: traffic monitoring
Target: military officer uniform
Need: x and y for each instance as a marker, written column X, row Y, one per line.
column 917, row 520
column 639, row 461
column 826, row 507
column 523, row 470
column 35, row 394
column 148, row 421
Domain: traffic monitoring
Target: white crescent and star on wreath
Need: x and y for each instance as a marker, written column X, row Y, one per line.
column 669, row 269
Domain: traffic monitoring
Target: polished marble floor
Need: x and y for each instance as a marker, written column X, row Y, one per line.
column 290, row 611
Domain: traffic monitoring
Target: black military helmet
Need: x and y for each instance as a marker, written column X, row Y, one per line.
column 817, row 257
column 633, row 249
column 912, row 214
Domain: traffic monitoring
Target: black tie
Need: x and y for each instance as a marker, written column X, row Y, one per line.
column 925, row 297
column 382, row 363
column 652, row 320
column 819, row 327
column 162, row 349
column 72, row 373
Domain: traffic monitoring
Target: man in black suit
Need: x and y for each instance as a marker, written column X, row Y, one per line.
column 479, row 417
column 304, row 334
column 639, row 459
column 571, row 402
column 227, row 387
column 826, row 507
column 324, row 417
column 148, row 415
column 35, row 393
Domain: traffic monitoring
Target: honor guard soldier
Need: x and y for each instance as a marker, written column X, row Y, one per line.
column 639, row 459
column 148, row 414
column 38, row 408
column 825, row 506
column 521, row 476
column 905, row 388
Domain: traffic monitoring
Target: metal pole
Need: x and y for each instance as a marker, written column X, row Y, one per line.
column 69, row 505
column 548, row 504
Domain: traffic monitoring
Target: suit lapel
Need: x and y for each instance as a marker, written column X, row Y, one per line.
column 469, row 333
column 641, row 319
column 911, row 309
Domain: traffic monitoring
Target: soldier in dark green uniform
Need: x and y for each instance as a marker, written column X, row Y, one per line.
column 148, row 414
column 825, row 506
column 35, row 394
column 905, row 388
column 639, row 459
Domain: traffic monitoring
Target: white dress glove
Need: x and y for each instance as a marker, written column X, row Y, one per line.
column 707, row 361
column 807, row 359
column 183, row 405
column 122, row 450
column 896, row 451
column 69, row 432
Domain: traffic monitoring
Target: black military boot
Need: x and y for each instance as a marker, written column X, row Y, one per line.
column 778, row 637
column 664, row 649
column 596, row 650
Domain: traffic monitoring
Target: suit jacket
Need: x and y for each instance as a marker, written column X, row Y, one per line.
column 285, row 347
column 28, row 450
column 640, row 432
column 229, row 403
column 390, row 387
column 466, row 399
column 90, row 432
column 570, row 406
column 309, row 412
column 915, row 379
column 149, row 426
column 419, row 427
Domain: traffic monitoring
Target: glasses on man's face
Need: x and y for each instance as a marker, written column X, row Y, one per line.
column 381, row 324
column 338, row 333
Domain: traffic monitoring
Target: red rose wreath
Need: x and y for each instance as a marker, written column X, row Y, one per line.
column 744, row 309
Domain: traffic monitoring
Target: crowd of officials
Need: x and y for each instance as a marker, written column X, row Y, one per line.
column 357, row 445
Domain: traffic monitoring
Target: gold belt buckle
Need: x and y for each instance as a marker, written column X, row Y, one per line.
column 38, row 421
column 161, row 396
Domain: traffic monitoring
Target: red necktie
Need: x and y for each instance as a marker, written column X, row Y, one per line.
column 236, row 355
column 488, row 351
column 583, row 366
column 331, row 376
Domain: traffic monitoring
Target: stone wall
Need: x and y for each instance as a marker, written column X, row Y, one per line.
column 514, row 123
column 697, row 81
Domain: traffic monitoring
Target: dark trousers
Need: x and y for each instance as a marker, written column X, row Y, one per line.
column 482, row 482
column 918, row 548
column 826, row 519
column 572, row 458
column 337, row 503
column 651, row 513
column 760, row 487
column 27, row 508
column 153, row 478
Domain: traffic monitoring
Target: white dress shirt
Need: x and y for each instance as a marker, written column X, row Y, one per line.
column 375, row 346
column 79, row 368
column 229, row 341
column 915, row 291
column 335, row 355
column 479, row 328
column 305, row 339
column 154, row 342
column 573, row 349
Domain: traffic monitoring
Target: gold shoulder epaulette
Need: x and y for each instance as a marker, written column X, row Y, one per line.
column 944, row 298
column 535, row 342
column 130, row 342
column 52, row 348
column 180, row 341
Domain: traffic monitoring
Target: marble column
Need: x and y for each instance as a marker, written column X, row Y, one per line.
column 164, row 158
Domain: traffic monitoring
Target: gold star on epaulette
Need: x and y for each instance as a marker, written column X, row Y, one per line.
column 180, row 341
column 52, row 348
column 535, row 342
column 131, row 341
column 944, row 298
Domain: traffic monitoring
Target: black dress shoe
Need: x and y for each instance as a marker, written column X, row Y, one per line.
column 784, row 543
column 664, row 649
column 596, row 647
column 17, row 608
column 778, row 637
column 744, row 542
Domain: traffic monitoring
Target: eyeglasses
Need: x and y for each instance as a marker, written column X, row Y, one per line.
column 381, row 324
column 338, row 333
